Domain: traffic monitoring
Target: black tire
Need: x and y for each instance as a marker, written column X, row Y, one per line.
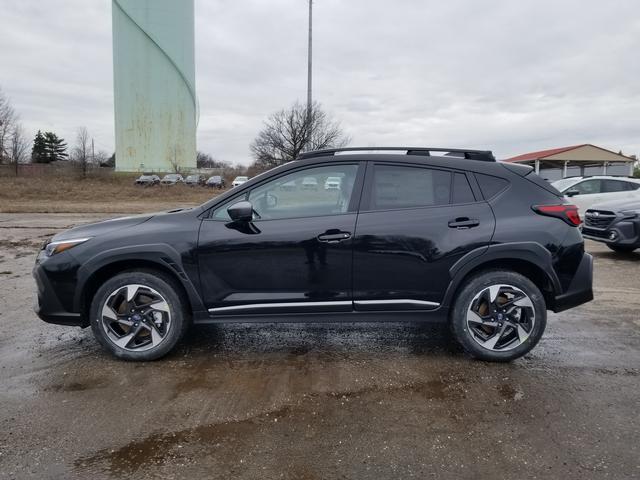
column 621, row 248
column 176, row 306
column 481, row 282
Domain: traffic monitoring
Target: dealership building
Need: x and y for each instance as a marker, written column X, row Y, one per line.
column 577, row 160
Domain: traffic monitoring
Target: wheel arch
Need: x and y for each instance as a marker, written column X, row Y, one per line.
column 529, row 259
column 95, row 272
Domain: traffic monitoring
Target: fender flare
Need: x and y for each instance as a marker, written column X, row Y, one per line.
column 530, row 252
column 161, row 254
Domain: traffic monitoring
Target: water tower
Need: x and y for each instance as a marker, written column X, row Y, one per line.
column 154, row 84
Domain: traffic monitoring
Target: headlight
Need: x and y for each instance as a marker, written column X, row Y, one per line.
column 631, row 213
column 59, row 246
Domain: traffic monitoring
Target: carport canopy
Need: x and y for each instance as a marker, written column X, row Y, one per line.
column 576, row 160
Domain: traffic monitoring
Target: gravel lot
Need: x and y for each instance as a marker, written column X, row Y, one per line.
column 318, row 401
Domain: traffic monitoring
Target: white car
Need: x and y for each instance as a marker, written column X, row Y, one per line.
column 333, row 183
column 587, row 191
column 239, row 181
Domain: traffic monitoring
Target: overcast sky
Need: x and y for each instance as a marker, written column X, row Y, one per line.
column 512, row 76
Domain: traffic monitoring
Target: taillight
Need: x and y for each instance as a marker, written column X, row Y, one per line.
column 568, row 213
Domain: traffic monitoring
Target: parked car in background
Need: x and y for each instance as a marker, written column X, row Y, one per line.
column 239, row 181
column 172, row 179
column 616, row 223
column 216, row 181
column 309, row 183
column 332, row 183
column 148, row 180
column 194, row 180
column 485, row 246
column 288, row 186
column 587, row 191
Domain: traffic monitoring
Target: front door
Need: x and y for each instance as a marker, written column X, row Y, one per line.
column 415, row 222
column 296, row 254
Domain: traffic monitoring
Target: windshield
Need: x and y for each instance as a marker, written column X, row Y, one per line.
column 171, row 177
column 242, row 179
column 564, row 183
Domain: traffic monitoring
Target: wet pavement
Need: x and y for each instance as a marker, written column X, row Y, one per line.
column 318, row 401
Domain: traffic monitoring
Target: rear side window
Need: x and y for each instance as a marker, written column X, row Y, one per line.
column 491, row 185
column 462, row 192
column 616, row 186
column 404, row 187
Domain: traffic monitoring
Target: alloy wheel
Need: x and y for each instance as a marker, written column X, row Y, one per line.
column 136, row 317
column 501, row 317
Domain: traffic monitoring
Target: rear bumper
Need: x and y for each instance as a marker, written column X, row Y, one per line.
column 580, row 289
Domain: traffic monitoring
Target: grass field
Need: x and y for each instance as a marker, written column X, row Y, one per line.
column 108, row 194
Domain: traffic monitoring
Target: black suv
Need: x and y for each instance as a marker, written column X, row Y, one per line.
column 454, row 237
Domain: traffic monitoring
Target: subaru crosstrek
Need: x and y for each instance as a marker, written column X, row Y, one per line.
column 415, row 234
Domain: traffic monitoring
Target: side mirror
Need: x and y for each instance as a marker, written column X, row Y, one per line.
column 241, row 211
column 572, row 192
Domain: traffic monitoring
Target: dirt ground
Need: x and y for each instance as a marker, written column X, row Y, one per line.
column 106, row 195
column 379, row 401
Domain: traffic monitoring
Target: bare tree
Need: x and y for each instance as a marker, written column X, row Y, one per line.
column 204, row 160
column 290, row 131
column 81, row 154
column 7, row 124
column 18, row 151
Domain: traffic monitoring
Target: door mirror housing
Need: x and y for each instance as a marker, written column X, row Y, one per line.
column 241, row 211
column 572, row 192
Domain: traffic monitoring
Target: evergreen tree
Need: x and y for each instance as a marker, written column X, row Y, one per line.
column 55, row 148
column 39, row 151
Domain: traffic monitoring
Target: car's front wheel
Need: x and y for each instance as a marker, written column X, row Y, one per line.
column 499, row 316
column 138, row 315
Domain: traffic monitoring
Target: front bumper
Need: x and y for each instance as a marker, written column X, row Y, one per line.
column 48, row 305
column 580, row 289
column 624, row 232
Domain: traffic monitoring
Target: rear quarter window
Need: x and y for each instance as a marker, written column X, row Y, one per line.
column 491, row 186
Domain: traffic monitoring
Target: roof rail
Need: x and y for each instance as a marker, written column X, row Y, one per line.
column 483, row 155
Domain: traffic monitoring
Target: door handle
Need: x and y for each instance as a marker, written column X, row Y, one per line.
column 463, row 223
column 334, row 236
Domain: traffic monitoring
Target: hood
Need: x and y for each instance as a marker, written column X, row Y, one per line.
column 105, row 226
column 111, row 225
column 618, row 205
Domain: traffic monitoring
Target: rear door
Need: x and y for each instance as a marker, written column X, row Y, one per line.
column 415, row 222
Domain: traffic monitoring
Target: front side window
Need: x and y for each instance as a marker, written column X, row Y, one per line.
column 587, row 187
column 304, row 193
column 404, row 187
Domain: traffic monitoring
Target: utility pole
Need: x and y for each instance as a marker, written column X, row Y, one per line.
column 93, row 152
column 309, row 74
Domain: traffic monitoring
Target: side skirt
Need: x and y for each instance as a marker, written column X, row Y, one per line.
column 437, row 315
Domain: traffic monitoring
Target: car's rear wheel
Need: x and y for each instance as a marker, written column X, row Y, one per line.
column 138, row 315
column 499, row 316
column 622, row 248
